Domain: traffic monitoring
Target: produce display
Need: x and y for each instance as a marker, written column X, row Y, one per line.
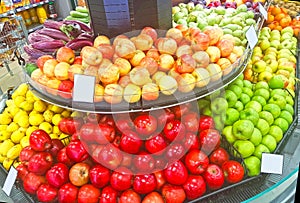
column 172, row 154
column 55, row 34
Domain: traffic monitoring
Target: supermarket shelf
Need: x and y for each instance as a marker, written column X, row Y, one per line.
column 34, row 27
column 19, row 9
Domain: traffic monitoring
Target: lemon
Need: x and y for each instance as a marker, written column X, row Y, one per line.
column 12, row 127
column 39, row 106
column 22, row 89
column 14, row 152
column 29, row 93
column 25, row 141
column 46, row 127
column 2, row 158
column 36, row 119
column 56, row 119
column 24, row 121
column 57, row 109
column 20, row 114
column 5, row 146
column 13, row 110
column 49, row 107
column 54, row 136
column 77, row 114
column 56, row 130
column 22, row 129
column 33, row 112
column 18, row 100
column 30, row 129
column 48, row 114
column 26, row 106
column 30, row 99
column 4, row 135
column 3, row 127
column 9, row 102
column 66, row 113
column 17, row 136
column 7, row 163
column 5, row 119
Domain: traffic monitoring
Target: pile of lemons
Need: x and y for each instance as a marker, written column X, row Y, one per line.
column 24, row 113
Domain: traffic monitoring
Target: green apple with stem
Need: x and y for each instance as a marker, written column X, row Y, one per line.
column 245, row 99
column 256, row 137
column 259, row 99
column 253, row 164
column 273, row 64
column 276, row 132
column 262, row 92
column 244, row 147
column 263, row 126
column 274, row 109
column 239, row 106
column 259, row 149
column 232, row 115
column 277, row 99
column 282, row 123
column 264, row 44
column 238, row 82
column 236, row 89
column 276, row 82
column 254, row 105
column 259, row 66
column 270, row 142
column 242, row 129
column 228, row 134
column 249, row 114
column 266, row 115
column 248, row 91
column 230, row 97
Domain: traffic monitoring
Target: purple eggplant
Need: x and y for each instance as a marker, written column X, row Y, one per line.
column 56, row 34
column 36, row 37
column 53, row 24
column 77, row 44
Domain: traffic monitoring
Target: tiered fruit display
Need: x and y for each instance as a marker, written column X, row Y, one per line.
column 143, row 66
column 273, row 59
column 81, row 13
column 55, row 34
column 234, row 21
column 256, row 120
column 25, row 113
column 170, row 154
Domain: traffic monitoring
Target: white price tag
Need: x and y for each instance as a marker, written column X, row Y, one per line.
column 251, row 37
column 10, row 180
column 263, row 11
column 271, row 163
column 83, row 90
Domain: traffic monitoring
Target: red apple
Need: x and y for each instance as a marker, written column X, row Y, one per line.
column 40, row 163
column 41, row 61
column 166, row 45
column 175, row 34
column 74, row 69
column 101, row 39
column 32, row 182
column 219, row 156
column 68, row 193
column 46, row 193
column 88, row 193
column 165, row 62
column 65, row 54
column 107, row 51
column 196, row 161
column 125, row 48
column 214, row 32
column 210, row 140
column 214, row 177
column 58, row 175
column 226, row 47
column 194, row 187
column 79, row 174
column 150, row 31
column 91, row 55
column 143, row 42
column 202, row 59
column 200, row 42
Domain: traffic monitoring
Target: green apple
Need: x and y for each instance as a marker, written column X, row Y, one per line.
column 262, row 92
column 287, row 29
column 202, row 103
column 289, row 108
column 253, row 164
column 178, row 15
column 249, row 114
column 277, row 99
column 274, row 109
column 248, row 84
column 248, row 91
column 256, row 137
column 220, row 10
column 254, row 105
column 287, row 44
column 244, row 147
column 231, row 98
column 232, row 115
column 219, row 120
column 207, row 111
column 219, row 105
column 257, row 49
column 265, row 75
column 263, row 126
column 238, row 82
column 266, row 115
column 228, row 134
column 266, row 30
column 242, row 129
column 259, row 66
column 259, row 149
column 276, row 132
column 182, row 21
column 282, row 123
column 270, row 142
column 259, row 99
column 264, row 44
column 244, row 98
column 281, row 92
column 239, row 106
column 287, row 116
column 241, row 8
column 286, row 36
column 290, row 100
column 236, row 89
column 273, row 64
column 261, row 84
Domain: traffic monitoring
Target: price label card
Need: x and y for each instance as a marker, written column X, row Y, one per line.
column 251, row 37
column 263, row 11
column 271, row 163
column 10, row 180
column 83, row 90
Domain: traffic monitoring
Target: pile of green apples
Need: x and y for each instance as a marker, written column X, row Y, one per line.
column 273, row 59
column 256, row 119
column 233, row 21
